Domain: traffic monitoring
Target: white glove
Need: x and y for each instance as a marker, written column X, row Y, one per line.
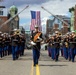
column 33, row 43
column 39, row 38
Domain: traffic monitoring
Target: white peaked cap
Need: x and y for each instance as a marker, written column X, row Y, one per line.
column 56, row 32
column 36, row 26
column 15, row 29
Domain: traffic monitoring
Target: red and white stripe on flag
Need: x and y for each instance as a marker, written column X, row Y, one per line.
column 35, row 20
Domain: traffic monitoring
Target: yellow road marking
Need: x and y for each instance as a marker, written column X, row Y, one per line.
column 37, row 70
column 32, row 69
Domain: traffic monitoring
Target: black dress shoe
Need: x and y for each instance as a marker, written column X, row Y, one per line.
column 14, row 59
column 34, row 65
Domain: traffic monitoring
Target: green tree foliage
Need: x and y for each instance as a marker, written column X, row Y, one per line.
column 71, row 9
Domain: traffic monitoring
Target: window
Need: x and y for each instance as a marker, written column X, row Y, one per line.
column 1, row 12
column 0, row 19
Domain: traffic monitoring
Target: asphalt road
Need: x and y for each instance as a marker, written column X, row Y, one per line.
column 47, row 66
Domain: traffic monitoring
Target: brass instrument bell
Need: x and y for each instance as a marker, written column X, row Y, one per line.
column 17, row 32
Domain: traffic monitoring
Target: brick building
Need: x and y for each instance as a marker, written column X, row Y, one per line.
column 65, row 27
column 5, row 27
column 57, row 25
column 49, row 26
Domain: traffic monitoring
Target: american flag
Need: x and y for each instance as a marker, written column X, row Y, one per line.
column 35, row 20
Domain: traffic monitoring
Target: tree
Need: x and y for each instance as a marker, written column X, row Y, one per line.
column 71, row 9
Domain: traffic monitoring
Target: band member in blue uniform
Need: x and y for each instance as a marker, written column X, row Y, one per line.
column 56, row 45
column 6, row 41
column 66, row 47
column 49, row 41
column 73, row 46
column 22, row 44
column 15, row 39
column 51, row 46
column 1, row 38
column 36, row 39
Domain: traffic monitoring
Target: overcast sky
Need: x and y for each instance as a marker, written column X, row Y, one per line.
column 57, row 7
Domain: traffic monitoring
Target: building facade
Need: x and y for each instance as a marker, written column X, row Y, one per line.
column 49, row 26
column 14, row 22
column 75, row 18
column 3, row 27
column 57, row 25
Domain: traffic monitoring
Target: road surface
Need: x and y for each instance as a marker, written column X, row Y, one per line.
column 47, row 66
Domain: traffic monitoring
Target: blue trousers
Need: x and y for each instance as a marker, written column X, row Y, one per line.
column 49, row 51
column 65, row 51
column 52, row 53
column 69, row 54
column 36, row 55
column 21, row 49
column 56, row 53
column 72, row 50
column 1, row 52
column 14, row 51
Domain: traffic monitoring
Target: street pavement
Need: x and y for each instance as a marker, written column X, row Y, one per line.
column 47, row 66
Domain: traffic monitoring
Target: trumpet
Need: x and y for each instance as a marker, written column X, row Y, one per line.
column 66, row 44
column 17, row 32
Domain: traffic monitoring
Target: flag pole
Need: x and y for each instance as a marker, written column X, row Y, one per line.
column 13, row 17
column 56, row 16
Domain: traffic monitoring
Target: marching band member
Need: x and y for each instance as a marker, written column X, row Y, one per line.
column 15, row 39
column 36, row 39
column 22, row 44
column 49, row 41
column 66, row 47
column 56, row 45
column 4, row 45
column 1, row 38
column 73, row 46
column 52, row 47
column 6, row 41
